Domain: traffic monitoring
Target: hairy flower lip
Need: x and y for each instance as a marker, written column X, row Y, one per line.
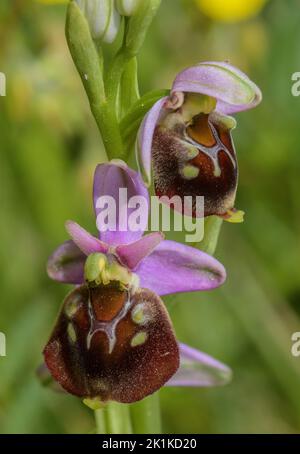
column 102, row 348
column 196, row 369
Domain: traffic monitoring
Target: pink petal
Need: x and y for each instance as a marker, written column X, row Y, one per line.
column 232, row 88
column 175, row 267
column 198, row 369
column 132, row 254
column 66, row 264
column 87, row 243
column 144, row 140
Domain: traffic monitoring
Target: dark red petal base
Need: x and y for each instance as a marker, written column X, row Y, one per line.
column 109, row 345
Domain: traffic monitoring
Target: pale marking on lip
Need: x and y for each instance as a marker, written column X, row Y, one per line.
column 109, row 328
column 139, row 339
column 212, row 152
column 138, row 316
column 71, row 333
column 189, row 172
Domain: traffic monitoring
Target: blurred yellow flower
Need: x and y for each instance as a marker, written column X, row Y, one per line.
column 230, row 10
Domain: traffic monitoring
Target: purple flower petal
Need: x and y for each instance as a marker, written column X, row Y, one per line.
column 144, row 140
column 115, row 218
column 233, row 90
column 132, row 254
column 86, row 242
column 175, row 267
column 66, row 264
column 199, row 370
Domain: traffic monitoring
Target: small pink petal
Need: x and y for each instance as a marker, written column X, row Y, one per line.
column 86, row 242
column 132, row 254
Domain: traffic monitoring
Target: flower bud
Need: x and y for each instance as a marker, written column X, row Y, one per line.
column 139, row 24
column 103, row 18
column 127, row 7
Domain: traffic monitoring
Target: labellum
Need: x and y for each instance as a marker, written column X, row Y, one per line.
column 110, row 343
column 193, row 155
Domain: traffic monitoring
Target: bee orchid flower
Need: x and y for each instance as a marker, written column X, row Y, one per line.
column 113, row 339
column 186, row 137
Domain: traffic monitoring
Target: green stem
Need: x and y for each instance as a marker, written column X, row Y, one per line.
column 129, row 86
column 100, row 421
column 114, row 74
column 145, row 415
column 89, row 63
column 118, row 418
column 212, row 229
column 112, row 419
column 106, row 120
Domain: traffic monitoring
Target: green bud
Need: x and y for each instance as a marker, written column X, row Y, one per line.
column 103, row 18
column 139, row 23
column 127, row 7
column 84, row 54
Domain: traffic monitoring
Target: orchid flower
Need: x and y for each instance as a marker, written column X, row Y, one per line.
column 113, row 339
column 186, row 137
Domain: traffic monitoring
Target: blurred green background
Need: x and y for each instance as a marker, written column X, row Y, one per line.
column 49, row 148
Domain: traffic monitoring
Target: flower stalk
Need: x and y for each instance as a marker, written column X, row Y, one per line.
column 145, row 415
column 140, row 418
column 102, row 90
column 113, row 419
column 212, row 230
column 89, row 65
